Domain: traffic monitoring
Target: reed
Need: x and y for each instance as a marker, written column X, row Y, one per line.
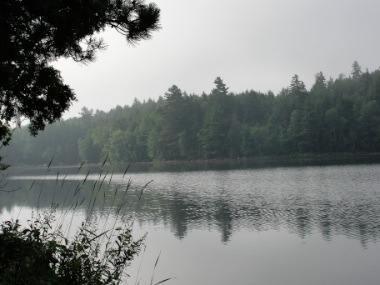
column 45, row 251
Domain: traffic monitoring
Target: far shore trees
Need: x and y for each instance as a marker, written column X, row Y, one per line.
column 340, row 116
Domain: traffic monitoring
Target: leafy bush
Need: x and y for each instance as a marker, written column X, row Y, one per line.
column 37, row 254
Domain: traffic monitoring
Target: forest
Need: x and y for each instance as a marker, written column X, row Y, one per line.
column 336, row 116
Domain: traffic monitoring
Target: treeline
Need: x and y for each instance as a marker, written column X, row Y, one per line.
column 334, row 116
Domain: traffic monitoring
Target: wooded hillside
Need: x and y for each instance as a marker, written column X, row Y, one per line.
column 335, row 116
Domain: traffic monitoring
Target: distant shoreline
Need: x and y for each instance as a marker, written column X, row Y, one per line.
column 213, row 164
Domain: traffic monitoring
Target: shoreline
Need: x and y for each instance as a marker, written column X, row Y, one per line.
column 212, row 164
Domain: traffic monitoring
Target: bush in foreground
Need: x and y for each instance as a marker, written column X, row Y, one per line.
column 36, row 254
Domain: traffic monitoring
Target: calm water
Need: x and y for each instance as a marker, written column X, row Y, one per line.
column 285, row 225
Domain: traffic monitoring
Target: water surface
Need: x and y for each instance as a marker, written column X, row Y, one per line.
column 282, row 225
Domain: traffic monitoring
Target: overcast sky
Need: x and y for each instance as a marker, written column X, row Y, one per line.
column 250, row 44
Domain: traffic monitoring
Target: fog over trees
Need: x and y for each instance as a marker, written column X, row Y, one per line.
column 339, row 115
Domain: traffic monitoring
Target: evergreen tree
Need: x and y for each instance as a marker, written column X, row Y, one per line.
column 356, row 71
column 35, row 33
column 340, row 116
column 217, row 120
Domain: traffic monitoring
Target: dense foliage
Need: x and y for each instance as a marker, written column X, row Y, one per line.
column 35, row 33
column 39, row 255
column 334, row 116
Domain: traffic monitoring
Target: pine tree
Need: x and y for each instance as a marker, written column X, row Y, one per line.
column 36, row 32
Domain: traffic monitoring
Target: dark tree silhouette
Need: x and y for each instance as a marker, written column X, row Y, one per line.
column 36, row 32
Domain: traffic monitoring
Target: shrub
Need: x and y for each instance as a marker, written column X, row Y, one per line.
column 38, row 255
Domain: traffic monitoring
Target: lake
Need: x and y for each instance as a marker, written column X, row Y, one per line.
column 274, row 225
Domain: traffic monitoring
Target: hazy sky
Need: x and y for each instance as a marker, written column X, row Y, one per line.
column 250, row 44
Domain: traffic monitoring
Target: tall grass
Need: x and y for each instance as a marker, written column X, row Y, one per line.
column 46, row 249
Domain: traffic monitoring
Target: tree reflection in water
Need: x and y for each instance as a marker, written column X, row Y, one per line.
column 353, row 212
